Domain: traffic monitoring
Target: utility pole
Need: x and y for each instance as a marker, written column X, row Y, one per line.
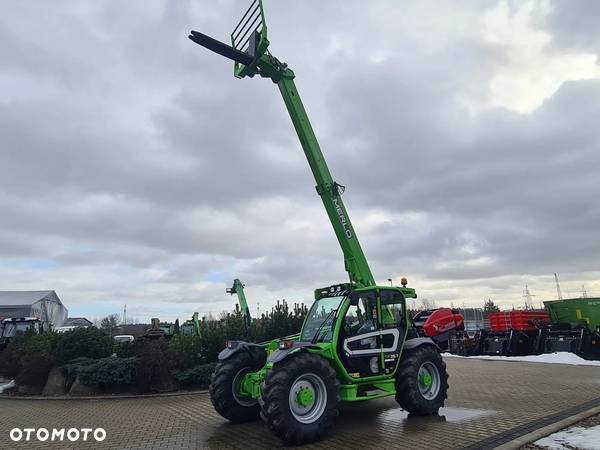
column 558, row 291
column 583, row 291
column 125, row 314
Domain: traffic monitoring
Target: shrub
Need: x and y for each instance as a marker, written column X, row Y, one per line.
column 188, row 350
column 126, row 349
column 28, row 358
column 155, row 362
column 10, row 360
column 85, row 350
column 23, row 346
column 87, row 342
column 39, row 344
column 107, row 373
column 71, row 369
column 34, row 371
column 196, row 377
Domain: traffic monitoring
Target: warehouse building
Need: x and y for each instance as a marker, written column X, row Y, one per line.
column 45, row 305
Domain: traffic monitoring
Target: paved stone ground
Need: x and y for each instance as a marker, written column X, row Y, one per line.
column 487, row 399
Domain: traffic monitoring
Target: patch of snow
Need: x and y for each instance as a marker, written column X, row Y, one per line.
column 576, row 437
column 9, row 385
column 550, row 358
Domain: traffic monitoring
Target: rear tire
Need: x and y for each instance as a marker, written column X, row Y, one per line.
column 300, row 397
column 422, row 381
column 222, row 388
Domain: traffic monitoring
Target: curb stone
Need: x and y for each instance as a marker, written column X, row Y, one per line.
column 528, row 438
column 100, row 397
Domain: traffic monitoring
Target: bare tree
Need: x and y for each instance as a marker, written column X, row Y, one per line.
column 425, row 303
column 110, row 322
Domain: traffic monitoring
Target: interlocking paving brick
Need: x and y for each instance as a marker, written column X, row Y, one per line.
column 488, row 401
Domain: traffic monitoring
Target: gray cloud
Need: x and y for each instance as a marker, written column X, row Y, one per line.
column 574, row 24
column 136, row 169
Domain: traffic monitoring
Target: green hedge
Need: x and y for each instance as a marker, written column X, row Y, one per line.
column 147, row 364
column 197, row 377
column 34, row 371
column 107, row 373
column 87, row 342
column 155, row 362
column 30, row 355
column 190, row 350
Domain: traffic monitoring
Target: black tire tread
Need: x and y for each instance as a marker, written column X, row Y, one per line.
column 220, row 388
column 275, row 391
column 407, row 389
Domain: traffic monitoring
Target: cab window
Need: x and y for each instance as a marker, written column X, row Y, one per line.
column 361, row 315
column 392, row 310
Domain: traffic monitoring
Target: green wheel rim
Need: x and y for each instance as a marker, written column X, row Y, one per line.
column 236, row 388
column 429, row 380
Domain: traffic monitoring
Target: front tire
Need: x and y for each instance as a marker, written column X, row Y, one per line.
column 224, row 384
column 422, row 381
column 300, row 397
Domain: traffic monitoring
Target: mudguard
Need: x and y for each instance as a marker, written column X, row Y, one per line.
column 280, row 355
column 234, row 347
column 418, row 342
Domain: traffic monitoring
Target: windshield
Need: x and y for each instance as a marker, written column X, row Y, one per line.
column 12, row 328
column 320, row 319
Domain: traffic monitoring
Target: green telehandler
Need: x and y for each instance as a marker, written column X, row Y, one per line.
column 357, row 342
column 192, row 327
column 238, row 289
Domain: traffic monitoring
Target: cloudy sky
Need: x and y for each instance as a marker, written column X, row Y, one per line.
column 136, row 169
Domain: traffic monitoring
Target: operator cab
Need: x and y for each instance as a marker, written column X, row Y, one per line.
column 372, row 332
column 371, row 326
column 13, row 326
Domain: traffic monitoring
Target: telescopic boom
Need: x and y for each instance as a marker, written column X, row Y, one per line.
column 249, row 52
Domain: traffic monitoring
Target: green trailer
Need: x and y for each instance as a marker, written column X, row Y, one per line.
column 575, row 311
column 574, row 327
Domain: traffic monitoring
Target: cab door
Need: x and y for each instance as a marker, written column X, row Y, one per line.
column 372, row 333
column 393, row 325
column 358, row 345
